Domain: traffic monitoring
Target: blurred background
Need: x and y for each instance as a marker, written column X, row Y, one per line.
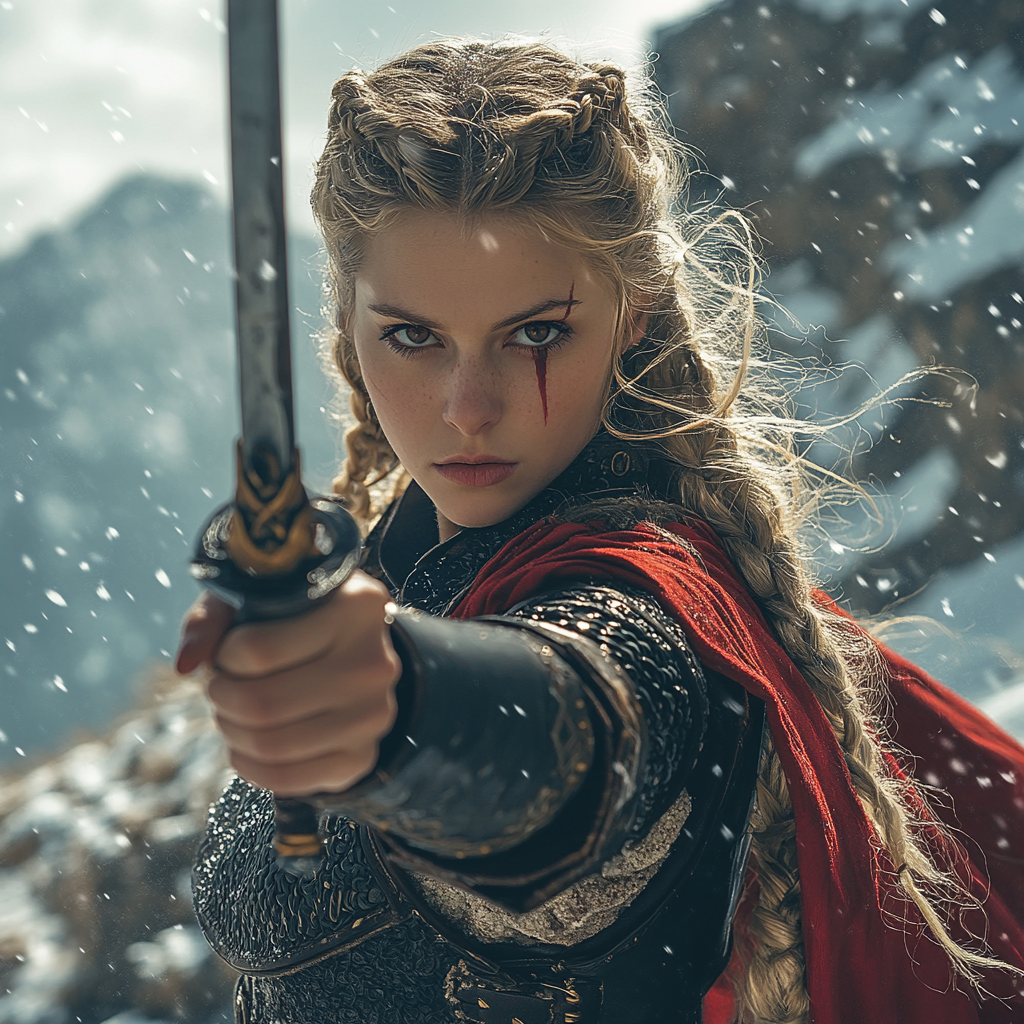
column 875, row 143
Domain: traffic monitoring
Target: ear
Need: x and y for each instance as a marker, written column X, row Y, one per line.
column 635, row 334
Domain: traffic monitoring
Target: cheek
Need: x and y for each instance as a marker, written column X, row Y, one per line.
column 572, row 390
column 386, row 379
column 400, row 396
column 404, row 408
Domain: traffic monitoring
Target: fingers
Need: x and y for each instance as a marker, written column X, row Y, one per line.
column 342, row 621
column 204, row 625
column 299, row 693
column 307, row 730
column 329, row 732
column 303, row 702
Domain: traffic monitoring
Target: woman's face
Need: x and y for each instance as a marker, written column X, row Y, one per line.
column 486, row 353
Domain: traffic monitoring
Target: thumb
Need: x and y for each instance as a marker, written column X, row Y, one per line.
column 204, row 625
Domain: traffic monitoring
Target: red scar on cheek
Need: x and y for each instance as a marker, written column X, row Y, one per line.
column 568, row 305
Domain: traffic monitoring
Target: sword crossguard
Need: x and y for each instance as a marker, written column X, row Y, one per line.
column 272, row 528
column 242, row 557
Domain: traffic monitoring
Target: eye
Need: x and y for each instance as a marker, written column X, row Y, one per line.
column 542, row 333
column 407, row 336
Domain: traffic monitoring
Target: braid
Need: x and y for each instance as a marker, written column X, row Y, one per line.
column 348, row 101
column 745, row 512
column 369, row 459
column 774, row 988
column 601, row 94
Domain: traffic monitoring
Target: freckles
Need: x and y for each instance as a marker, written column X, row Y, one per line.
column 398, row 391
column 377, row 394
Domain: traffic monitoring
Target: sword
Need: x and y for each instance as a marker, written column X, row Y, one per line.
column 272, row 552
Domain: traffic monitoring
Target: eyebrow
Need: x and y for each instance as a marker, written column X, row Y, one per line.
column 386, row 309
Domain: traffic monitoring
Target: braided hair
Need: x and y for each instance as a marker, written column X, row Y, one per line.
column 519, row 129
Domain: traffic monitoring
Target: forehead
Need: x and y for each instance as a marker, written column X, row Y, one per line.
column 449, row 266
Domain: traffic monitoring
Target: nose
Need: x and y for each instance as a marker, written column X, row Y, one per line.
column 473, row 401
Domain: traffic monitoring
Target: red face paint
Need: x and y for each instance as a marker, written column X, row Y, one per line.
column 540, row 364
column 540, row 359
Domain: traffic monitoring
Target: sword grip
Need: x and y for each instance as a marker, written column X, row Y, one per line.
column 298, row 843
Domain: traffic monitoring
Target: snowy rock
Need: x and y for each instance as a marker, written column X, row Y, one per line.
column 96, row 846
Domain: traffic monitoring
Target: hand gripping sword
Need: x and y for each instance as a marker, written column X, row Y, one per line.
column 273, row 552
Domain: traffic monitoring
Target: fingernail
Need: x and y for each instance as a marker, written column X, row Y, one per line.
column 186, row 660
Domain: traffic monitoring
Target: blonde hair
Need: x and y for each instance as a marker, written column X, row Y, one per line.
column 517, row 128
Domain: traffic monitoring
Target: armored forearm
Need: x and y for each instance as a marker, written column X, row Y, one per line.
column 520, row 757
column 503, row 727
column 494, row 734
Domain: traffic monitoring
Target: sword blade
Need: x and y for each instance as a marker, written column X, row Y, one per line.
column 261, row 290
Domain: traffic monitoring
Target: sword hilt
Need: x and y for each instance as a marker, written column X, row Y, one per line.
column 298, row 842
column 274, row 553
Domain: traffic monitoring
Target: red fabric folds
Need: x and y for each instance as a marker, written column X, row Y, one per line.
column 861, row 967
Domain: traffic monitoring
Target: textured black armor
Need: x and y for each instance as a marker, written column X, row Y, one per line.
column 652, row 650
column 364, row 941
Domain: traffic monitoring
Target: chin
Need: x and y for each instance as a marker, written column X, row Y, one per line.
column 474, row 521
column 480, row 514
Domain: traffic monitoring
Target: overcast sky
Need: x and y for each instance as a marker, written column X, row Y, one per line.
column 93, row 89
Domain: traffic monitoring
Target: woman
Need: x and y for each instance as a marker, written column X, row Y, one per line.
column 545, row 814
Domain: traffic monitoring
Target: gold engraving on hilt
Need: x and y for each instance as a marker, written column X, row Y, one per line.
column 300, row 844
column 271, row 529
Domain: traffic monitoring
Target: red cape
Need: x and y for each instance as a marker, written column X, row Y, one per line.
column 866, row 957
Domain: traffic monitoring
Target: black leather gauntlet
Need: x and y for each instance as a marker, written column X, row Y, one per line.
column 493, row 736
column 503, row 725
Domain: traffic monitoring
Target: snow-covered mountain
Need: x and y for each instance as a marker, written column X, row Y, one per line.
column 117, row 420
column 877, row 144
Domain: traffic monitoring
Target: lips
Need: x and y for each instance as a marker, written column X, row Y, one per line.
column 473, row 472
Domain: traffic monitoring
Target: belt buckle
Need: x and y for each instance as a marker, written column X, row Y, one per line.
column 502, row 999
